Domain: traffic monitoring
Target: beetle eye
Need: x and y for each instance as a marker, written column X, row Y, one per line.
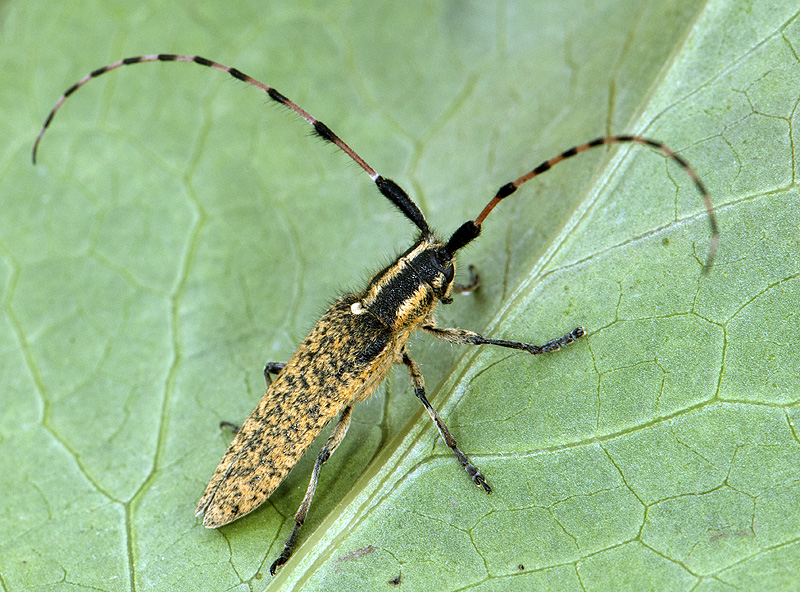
column 444, row 261
column 449, row 272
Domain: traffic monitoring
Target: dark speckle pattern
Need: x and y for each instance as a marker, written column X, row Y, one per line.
column 342, row 361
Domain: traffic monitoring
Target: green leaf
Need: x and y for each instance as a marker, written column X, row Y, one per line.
column 176, row 234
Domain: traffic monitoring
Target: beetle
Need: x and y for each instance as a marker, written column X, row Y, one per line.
column 360, row 338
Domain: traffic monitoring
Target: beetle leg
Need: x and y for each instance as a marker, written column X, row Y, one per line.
column 419, row 390
column 272, row 368
column 465, row 337
column 468, row 288
column 300, row 517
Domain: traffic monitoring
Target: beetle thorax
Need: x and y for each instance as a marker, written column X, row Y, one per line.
column 406, row 292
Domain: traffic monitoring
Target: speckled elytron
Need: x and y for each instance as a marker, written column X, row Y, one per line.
column 358, row 340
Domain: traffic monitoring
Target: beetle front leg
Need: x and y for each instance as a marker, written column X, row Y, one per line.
column 469, row 287
column 466, row 337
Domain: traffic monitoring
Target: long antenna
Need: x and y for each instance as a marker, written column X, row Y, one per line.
column 470, row 230
column 391, row 190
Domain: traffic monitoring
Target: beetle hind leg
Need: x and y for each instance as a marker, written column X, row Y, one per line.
column 300, row 517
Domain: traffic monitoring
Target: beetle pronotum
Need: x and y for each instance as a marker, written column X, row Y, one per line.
column 352, row 348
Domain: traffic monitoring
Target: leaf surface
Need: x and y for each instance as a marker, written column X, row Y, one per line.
column 177, row 234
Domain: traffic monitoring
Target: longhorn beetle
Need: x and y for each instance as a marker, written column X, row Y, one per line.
column 359, row 339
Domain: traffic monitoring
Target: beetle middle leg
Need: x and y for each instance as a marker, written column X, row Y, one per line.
column 419, row 390
column 270, row 368
column 300, row 517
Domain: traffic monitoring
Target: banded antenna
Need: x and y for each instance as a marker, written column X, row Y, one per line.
column 391, row 190
column 470, row 230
